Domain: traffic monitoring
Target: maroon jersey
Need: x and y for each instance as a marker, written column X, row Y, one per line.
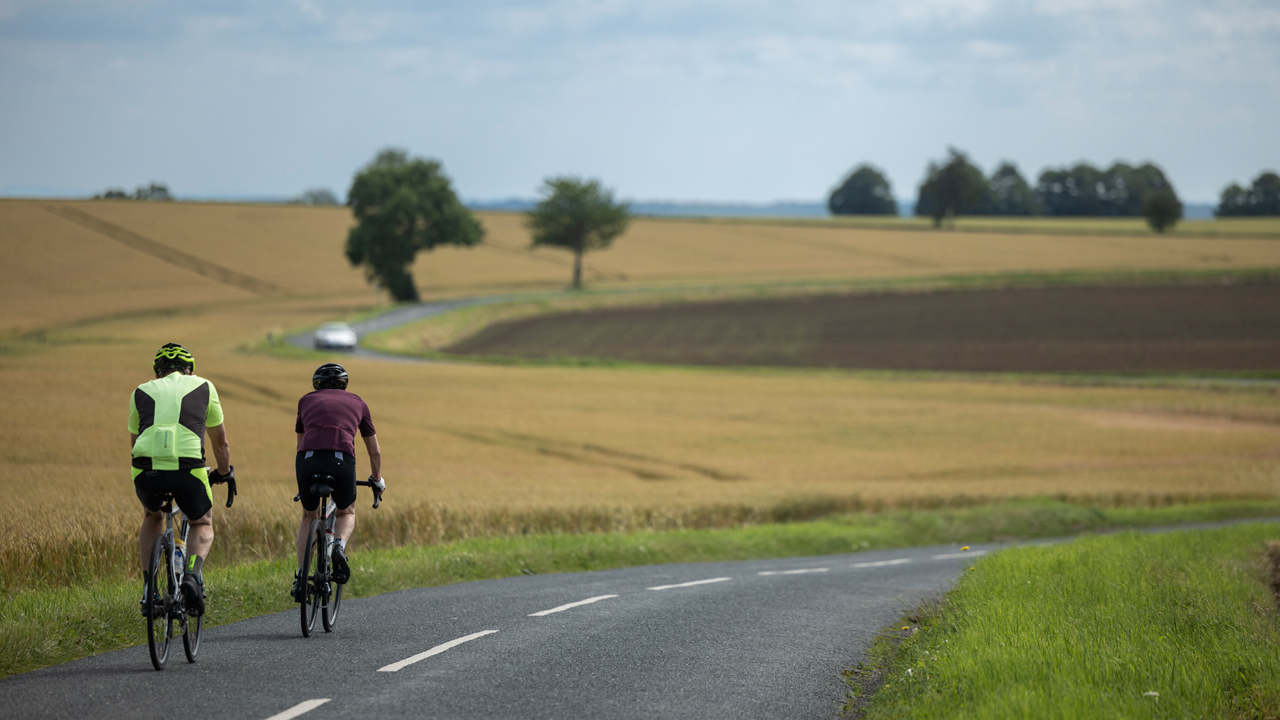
column 328, row 420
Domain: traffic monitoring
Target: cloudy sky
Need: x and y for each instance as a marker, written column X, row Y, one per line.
column 710, row 100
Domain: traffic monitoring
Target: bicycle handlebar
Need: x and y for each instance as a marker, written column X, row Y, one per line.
column 216, row 478
column 378, row 487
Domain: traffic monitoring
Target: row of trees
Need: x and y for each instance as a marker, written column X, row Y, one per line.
column 1262, row 198
column 153, row 191
column 405, row 205
column 956, row 186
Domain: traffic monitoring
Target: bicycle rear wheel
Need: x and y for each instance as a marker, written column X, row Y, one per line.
column 312, row 582
column 329, row 614
column 191, row 636
column 159, row 622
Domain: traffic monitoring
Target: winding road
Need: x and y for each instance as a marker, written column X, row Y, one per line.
column 753, row 639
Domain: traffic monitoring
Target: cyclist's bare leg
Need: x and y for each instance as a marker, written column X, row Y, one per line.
column 152, row 526
column 200, row 536
column 344, row 522
column 304, row 531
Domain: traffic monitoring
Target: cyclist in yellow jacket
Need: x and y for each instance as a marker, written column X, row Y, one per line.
column 168, row 419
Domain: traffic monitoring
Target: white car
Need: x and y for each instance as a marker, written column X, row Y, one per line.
column 335, row 336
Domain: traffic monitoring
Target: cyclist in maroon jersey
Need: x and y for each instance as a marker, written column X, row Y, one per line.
column 328, row 419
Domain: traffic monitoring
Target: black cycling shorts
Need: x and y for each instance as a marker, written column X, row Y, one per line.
column 193, row 497
column 341, row 465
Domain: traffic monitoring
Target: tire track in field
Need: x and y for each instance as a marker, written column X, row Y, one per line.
column 168, row 254
column 644, row 467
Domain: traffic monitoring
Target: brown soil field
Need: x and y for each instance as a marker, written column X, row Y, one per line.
column 1074, row 329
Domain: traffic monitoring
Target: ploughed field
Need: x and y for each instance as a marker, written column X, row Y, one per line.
column 1066, row 329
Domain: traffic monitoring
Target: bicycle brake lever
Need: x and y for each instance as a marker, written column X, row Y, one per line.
column 231, row 491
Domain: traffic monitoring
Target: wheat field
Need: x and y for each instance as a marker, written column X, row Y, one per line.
column 477, row 449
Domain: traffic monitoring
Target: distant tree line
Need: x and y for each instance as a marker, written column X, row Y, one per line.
column 1262, row 198
column 955, row 186
column 153, row 191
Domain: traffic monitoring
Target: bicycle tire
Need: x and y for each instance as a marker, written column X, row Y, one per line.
column 329, row 610
column 311, row 582
column 159, row 622
column 191, row 640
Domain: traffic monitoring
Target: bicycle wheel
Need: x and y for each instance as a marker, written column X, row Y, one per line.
column 329, row 614
column 191, row 636
column 159, row 622
column 312, row 582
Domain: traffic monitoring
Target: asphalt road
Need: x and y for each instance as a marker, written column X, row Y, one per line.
column 754, row 639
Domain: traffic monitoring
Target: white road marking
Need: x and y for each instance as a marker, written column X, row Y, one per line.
column 882, row 563
column 792, row 572
column 393, row 667
column 948, row 556
column 690, row 584
column 562, row 608
column 300, row 708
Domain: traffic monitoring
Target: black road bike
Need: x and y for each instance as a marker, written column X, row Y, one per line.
column 165, row 607
column 321, row 595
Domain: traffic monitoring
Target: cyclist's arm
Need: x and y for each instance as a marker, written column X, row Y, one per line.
column 299, row 442
column 133, row 440
column 375, row 456
column 221, row 448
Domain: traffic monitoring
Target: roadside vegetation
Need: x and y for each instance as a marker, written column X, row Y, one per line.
column 47, row 622
column 1132, row 625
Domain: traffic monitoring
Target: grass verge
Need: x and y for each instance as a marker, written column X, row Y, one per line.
column 41, row 627
column 1127, row 625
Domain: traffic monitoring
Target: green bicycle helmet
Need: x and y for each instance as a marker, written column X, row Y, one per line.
column 173, row 357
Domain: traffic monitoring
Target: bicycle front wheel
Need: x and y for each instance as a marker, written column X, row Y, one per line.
column 159, row 622
column 312, row 582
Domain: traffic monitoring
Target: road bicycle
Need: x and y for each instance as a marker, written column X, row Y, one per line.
column 165, row 607
column 320, row 597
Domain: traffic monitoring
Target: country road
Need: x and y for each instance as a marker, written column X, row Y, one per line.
column 753, row 639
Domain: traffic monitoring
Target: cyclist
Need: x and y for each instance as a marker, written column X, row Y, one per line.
column 168, row 419
column 328, row 419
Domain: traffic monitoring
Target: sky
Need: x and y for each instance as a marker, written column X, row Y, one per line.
column 684, row 100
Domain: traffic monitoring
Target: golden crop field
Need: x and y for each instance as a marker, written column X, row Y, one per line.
column 476, row 449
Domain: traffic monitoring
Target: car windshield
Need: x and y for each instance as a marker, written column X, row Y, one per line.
column 331, row 327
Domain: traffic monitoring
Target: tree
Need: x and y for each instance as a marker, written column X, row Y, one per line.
column 403, row 205
column 1008, row 193
column 950, row 188
column 316, row 196
column 1263, row 198
column 1162, row 209
column 154, row 191
column 864, row 192
column 578, row 215
column 1085, row 190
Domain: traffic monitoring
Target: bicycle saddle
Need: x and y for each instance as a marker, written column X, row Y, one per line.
column 323, row 487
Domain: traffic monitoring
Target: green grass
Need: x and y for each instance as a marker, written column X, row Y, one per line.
column 1129, row 625
column 41, row 627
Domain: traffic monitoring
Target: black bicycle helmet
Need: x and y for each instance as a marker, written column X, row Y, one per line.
column 330, row 376
column 173, row 357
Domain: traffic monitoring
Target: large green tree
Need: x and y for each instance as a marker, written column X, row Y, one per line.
column 403, row 205
column 577, row 215
column 1162, row 209
column 1085, row 190
column 865, row 191
column 950, row 188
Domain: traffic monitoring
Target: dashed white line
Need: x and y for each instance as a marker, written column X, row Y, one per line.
column 562, row 608
column 300, row 708
column 792, row 572
column 882, row 563
column 393, row 667
column 971, row 553
column 690, row 584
